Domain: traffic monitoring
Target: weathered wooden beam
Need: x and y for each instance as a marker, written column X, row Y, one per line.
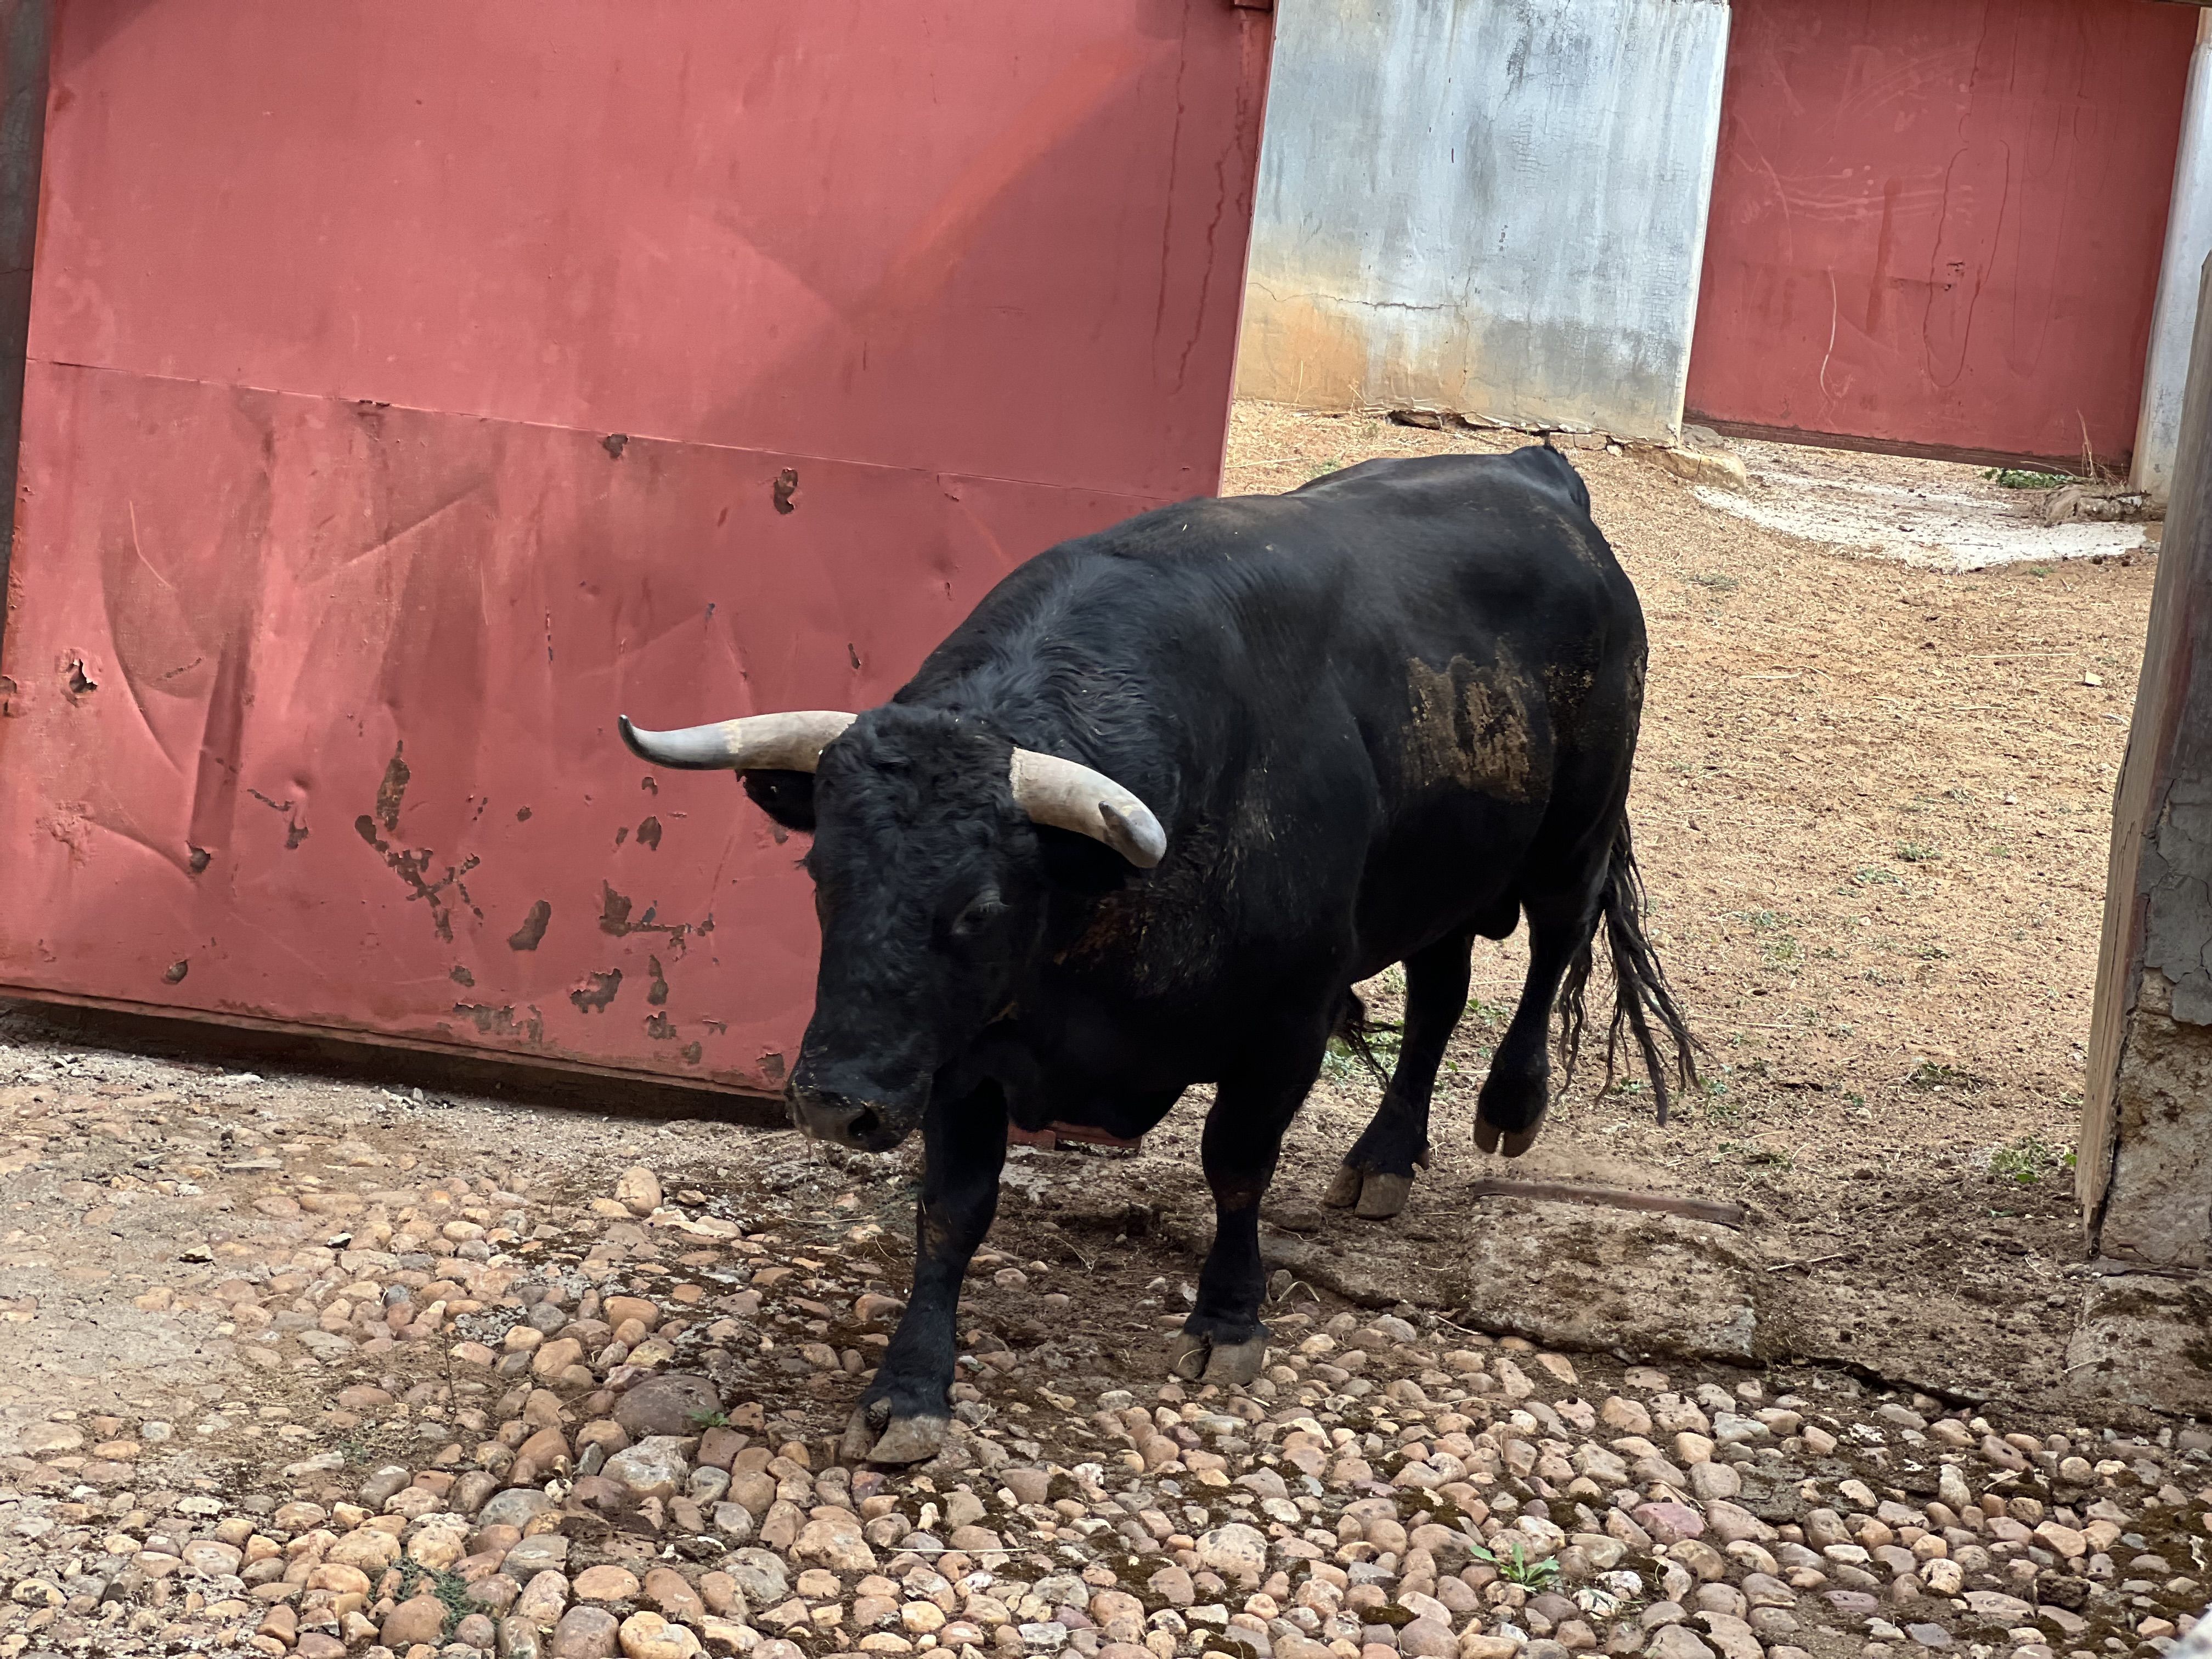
column 2144, row 1163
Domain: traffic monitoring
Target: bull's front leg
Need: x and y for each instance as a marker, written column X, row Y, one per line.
column 1223, row 1340
column 907, row 1409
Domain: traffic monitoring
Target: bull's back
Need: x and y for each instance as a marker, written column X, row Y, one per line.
column 1368, row 685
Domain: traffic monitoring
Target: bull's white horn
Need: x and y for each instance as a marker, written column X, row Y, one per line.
column 759, row 742
column 1070, row 796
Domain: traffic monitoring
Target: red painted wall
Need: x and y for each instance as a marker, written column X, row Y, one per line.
column 1937, row 223
column 408, row 388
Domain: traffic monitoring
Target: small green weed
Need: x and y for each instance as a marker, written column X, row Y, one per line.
column 2027, row 1160
column 1765, row 920
column 2021, row 477
column 451, row 1589
column 1714, row 580
column 705, row 1420
column 1343, row 1062
column 1917, row 852
column 1517, row 1568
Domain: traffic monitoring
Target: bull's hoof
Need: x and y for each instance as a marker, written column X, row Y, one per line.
column 1198, row 1359
column 1343, row 1188
column 1382, row 1196
column 1237, row 1364
column 1511, row 1142
column 899, row 1440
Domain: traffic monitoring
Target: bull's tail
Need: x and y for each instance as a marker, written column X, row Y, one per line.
column 1642, row 1000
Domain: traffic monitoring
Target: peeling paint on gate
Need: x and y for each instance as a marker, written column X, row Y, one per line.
column 372, row 506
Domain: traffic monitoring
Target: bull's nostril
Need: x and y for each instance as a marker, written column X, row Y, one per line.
column 864, row 1122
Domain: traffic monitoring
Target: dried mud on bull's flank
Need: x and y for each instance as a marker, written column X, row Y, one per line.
column 1872, row 806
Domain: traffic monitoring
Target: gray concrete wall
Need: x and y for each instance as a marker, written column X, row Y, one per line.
column 1496, row 207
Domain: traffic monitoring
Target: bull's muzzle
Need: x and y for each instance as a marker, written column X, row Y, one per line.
column 866, row 1125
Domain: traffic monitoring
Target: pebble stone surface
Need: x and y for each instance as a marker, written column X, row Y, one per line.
column 461, row 1419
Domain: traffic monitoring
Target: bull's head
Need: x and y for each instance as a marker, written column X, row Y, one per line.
column 929, row 880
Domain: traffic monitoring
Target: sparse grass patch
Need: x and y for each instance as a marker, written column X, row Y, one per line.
column 2027, row 1160
column 451, row 1589
column 1515, row 1568
column 1917, row 852
column 1343, row 1062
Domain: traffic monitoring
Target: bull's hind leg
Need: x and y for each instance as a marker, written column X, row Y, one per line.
column 1223, row 1340
column 907, row 1410
column 1378, row 1171
column 1510, row 1108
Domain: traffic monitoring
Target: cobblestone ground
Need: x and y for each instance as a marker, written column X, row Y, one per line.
column 300, row 1366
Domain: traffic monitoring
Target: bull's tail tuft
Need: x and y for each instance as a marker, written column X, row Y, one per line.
column 1642, row 1000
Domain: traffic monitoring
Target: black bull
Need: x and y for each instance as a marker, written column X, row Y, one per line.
column 1371, row 718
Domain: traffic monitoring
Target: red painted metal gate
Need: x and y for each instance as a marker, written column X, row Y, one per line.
column 1937, row 224
column 413, row 386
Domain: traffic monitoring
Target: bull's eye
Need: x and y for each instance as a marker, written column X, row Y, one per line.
column 978, row 914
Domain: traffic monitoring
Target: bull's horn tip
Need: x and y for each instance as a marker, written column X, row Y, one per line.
column 1140, row 840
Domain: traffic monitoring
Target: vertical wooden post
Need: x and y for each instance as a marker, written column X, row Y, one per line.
column 2144, row 1166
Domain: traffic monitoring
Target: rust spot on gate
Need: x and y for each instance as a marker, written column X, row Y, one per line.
column 615, row 920
column 597, row 991
column 787, row 488
column 392, row 793
column 527, row 937
column 501, row 1021
column 412, row 865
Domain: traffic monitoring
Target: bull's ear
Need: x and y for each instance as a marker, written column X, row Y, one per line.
column 786, row 797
